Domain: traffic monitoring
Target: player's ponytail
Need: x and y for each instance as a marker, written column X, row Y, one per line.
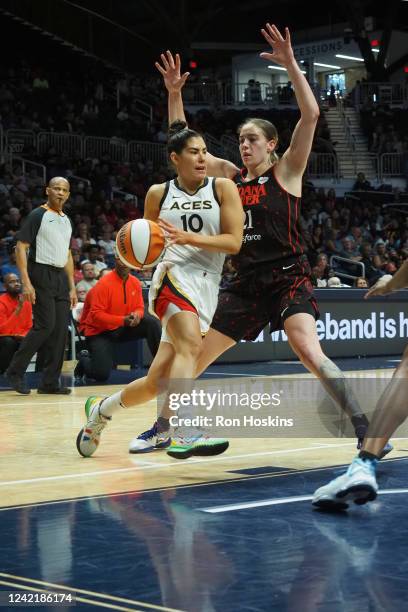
column 178, row 135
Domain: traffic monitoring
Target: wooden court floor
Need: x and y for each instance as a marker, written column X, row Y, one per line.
column 39, row 461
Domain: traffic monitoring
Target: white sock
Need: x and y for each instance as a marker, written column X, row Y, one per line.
column 111, row 404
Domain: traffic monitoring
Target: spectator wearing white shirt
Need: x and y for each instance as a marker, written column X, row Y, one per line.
column 94, row 258
column 89, row 278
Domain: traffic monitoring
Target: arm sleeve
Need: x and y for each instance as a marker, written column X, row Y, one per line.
column 31, row 225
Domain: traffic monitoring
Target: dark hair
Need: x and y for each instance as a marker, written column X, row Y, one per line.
column 268, row 129
column 178, row 135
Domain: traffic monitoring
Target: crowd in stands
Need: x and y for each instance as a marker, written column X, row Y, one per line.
column 356, row 228
column 86, row 102
column 80, row 102
column 386, row 128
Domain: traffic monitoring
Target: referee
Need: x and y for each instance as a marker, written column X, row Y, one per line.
column 47, row 276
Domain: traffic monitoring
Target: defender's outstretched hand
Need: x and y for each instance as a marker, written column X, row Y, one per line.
column 380, row 288
column 170, row 71
column 282, row 52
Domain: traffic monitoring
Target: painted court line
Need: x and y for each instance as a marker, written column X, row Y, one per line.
column 56, row 402
column 154, row 466
column 37, row 589
column 280, row 501
column 61, row 587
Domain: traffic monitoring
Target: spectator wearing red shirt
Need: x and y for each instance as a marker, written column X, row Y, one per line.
column 113, row 312
column 16, row 319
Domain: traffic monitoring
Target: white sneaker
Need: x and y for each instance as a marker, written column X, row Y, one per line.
column 357, row 485
column 149, row 441
column 89, row 437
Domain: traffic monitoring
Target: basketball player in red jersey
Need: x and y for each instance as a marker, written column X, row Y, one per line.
column 184, row 289
column 272, row 285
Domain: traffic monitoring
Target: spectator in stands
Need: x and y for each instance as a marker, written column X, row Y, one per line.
column 361, row 283
column 88, row 278
column 103, row 273
column 317, row 277
column 335, row 283
column 317, row 238
column 332, row 96
column 349, row 249
column 82, row 237
column 114, row 312
column 381, row 257
column 77, row 310
column 372, row 273
column 11, row 266
column 362, row 184
column 106, row 242
column 94, row 257
column 322, row 263
column 15, row 319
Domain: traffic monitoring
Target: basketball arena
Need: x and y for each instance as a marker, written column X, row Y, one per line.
column 144, row 319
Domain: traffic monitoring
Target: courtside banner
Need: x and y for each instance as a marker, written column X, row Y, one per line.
column 349, row 326
column 280, row 407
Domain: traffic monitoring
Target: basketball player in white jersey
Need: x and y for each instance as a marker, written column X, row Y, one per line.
column 203, row 220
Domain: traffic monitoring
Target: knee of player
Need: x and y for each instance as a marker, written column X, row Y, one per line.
column 307, row 353
column 189, row 345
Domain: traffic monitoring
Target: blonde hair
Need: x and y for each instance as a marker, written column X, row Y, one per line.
column 268, row 130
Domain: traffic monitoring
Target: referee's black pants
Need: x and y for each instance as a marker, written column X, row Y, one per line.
column 100, row 361
column 51, row 313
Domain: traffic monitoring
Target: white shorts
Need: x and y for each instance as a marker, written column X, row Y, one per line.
column 183, row 288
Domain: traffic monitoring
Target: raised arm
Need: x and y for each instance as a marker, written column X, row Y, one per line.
column 174, row 82
column 294, row 160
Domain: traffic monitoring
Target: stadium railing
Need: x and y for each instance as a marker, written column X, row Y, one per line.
column 336, row 259
column 62, row 142
column 320, row 164
column 27, row 165
column 96, row 146
column 380, row 93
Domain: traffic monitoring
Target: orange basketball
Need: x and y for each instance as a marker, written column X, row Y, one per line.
column 140, row 244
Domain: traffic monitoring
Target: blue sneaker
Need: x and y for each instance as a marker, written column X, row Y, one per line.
column 386, row 450
column 357, row 485
column 149, row 441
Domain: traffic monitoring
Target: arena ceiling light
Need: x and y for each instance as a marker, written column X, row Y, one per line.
column 349, row 57
column 327, row 65
column 282, row 68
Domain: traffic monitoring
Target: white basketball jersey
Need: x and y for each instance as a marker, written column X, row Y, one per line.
column 199, row 213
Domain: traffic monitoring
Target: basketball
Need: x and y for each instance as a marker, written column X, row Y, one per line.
column 140, row 244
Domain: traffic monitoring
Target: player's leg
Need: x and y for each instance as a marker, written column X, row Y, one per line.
column 229, row 325
column 185, row 333
column 300, row 327
column 99, row 411
column 359, row 483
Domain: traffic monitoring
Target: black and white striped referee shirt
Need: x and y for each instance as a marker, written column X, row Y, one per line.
column 48, row 234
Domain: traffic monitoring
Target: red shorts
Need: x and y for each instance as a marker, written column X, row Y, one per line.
column 168, row 294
